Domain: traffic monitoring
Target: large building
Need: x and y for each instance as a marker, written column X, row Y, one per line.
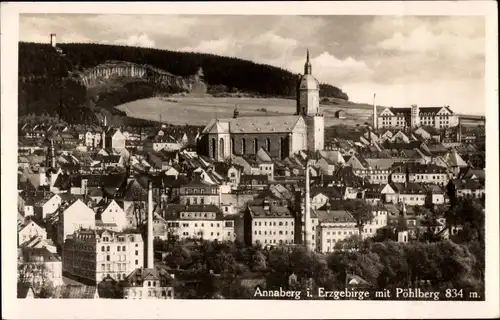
column 93, row 255
column 197, row 221
column 414, row 117
column 280, row 136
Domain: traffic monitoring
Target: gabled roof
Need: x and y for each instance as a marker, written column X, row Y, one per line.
column 75, row 292
column 454, row 160
column 139, row 275
column 260, row 124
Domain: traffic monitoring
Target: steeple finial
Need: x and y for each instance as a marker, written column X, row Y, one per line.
column 307, row 66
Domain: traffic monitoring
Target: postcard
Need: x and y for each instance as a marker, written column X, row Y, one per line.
column 263, row 154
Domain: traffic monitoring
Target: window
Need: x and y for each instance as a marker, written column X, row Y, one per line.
column 107, row 258
column 102, row 248
column 136, row 252
column 221, row 148
column 255, row 145
column 136, row 262
column 107, row 248
column 243, row 146
column 213, row 147
column 233, row 149
column 268, row 144
column 118, row 248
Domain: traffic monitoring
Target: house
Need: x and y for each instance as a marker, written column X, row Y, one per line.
column 467, row 188
column 419, row 173
column 269, row 224
column 340, row 114
column 75, row 216
column 454, row 161
column 149, row 283
column 253, row 181
column 321, row 196
column 410, row 193
column 113, row 213
column 30, row 230
column 326, row 166
column 32, row 260
column 334, row 226
column 400, row 137
column 436, row 194
column 197, row 222
column 161, row 142
column 199, row 192
column 115, row 139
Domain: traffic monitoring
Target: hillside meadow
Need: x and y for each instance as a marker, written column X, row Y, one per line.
column 198, row 111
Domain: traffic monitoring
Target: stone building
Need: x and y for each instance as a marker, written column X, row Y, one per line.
column 279, row 136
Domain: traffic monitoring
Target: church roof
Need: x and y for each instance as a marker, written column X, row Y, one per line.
column 278, row 124
column 308, row 82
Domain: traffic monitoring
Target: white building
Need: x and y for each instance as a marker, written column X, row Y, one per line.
column 414, row 117
column 76, row 216
column 269, row 224
column 334, row 226
column 29, row 231
column 197, row 221
column 113, row 213
column 149, row 283
column 96, row 254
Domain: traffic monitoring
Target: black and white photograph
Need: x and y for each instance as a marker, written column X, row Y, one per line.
column 257, row 157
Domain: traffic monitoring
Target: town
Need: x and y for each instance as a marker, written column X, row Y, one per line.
column 250, row 202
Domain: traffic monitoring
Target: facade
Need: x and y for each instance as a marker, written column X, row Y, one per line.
column 411, row 194
column 199, row 192
column 414, row 117
column 95, row 254
column 419, row 173
column 380, row 220
column 334, row 226
column 197, row 221
column 113, row 213
column 29, row 231
column 148, row 283
column 269, row 224
column 76, row 216
column 279, row 136
column 38, row 265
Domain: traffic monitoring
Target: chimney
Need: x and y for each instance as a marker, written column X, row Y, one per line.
column 53, row 41
column 307, row 217
column 375, row 116
column 53, row 153
column 150, row 261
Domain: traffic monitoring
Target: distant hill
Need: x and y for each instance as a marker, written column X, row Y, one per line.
column 49, row 83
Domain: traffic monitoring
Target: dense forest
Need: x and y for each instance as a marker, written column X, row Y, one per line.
column 41, row 90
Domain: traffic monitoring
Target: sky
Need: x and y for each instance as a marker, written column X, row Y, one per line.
column 405, row 60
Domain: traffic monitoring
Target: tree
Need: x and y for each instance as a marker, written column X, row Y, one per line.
column 395, row 266
column 259, row 261
column 37, row 275
column 362, row 212
column 348, row 244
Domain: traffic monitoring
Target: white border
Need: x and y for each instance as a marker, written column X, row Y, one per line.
column 182, row 309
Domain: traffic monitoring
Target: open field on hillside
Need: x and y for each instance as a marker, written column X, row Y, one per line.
column 198, row 111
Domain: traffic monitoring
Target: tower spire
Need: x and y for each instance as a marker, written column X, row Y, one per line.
column 307, row 66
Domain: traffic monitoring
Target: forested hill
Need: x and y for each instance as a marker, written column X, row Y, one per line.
column 47, row 86
column 40, row 59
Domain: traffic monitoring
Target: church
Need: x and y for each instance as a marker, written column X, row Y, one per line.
column 281, row 136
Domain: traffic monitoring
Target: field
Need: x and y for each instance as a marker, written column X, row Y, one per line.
column 198, row 111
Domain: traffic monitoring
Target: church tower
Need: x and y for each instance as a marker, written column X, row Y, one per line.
column 308, row 108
